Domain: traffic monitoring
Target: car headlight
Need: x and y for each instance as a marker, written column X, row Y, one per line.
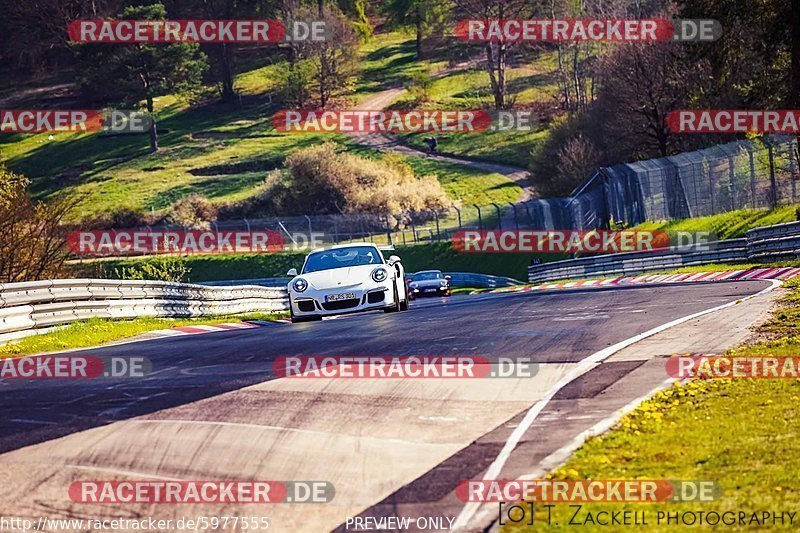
column 379, row 275
column 443, row 284
column 299, row 284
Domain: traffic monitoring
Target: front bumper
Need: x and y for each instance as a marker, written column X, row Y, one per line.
column 312, row 302
column 430, row 291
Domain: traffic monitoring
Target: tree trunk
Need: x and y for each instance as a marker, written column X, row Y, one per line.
column 419, row 19
column 153, row 126
column 226, row 64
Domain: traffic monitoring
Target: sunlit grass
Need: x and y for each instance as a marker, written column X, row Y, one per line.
column 96, row 332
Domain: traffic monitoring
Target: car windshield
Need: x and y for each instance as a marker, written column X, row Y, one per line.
column 342, row 257
column 425, row 276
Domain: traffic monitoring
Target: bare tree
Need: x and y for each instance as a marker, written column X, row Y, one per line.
column 496, row 51
column 646, row 83
column 333, row 60
column 32, row 243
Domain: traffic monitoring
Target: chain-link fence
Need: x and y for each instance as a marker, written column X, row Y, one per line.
column 726, row 177
column 738, row 175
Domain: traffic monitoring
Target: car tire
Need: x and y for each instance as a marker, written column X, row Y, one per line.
column 396, row 307
column 298, row 319
column 404, row 305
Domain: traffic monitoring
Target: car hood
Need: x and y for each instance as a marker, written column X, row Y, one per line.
column 342, row 278
column 426, row 284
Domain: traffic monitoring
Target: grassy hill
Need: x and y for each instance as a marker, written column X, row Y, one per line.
column 221, row 151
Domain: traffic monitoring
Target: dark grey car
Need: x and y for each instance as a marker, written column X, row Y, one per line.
column 428, row 283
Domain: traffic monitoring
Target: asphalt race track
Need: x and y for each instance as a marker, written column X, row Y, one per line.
column 213, row 408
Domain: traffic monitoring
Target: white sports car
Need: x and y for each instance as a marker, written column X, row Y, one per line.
column 346, row 279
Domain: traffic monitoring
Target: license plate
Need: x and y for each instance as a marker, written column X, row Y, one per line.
column 431, row 290
column 338, row 297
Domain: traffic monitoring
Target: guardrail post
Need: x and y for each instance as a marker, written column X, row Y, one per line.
column 516, row 220
column 793, row 169
column 480, row 218
column 773, row 197
column 310, row 228
column 530, row 218
column 438, row 232
column 499, row 216
column 335, row 231
column 752, row 177
column 458, row 211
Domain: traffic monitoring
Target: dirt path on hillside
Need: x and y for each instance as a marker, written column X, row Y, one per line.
column 385, row 143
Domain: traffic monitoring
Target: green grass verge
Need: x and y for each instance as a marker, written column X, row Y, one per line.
column 97, row 331
column 727, row 225
column 743, row 434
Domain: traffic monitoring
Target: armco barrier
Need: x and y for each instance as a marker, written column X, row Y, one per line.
column 628, row 263
column 457, row 279
column 781, row 241
column 40, row 304
column 468, row 279
column 767, row 243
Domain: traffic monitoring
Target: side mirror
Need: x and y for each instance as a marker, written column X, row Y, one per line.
column 393, row 259
column 448, row 277
column 292, row 272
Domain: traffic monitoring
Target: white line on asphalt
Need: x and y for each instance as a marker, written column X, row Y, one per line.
column 494, row 470
column 560, row 456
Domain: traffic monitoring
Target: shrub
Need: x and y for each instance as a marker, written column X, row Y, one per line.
column 161, row 268
column 194, row 211
column 263, row 202
column 33, row 236
column 420, row 86
column 325, row 181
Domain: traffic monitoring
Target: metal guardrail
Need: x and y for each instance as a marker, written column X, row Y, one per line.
column 41, row 304
column 767, row 243
column 780, row 241
column 457, row 279
column 468, row 279
column 628, row 263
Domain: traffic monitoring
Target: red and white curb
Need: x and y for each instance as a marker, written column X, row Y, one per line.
column 783, row 273
column 203, row 328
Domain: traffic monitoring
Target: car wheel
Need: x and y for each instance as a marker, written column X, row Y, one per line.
column 396, row 307
column 298, row 319
column 404, row 305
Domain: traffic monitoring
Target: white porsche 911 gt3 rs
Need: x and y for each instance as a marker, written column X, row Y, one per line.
column 346, row 279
